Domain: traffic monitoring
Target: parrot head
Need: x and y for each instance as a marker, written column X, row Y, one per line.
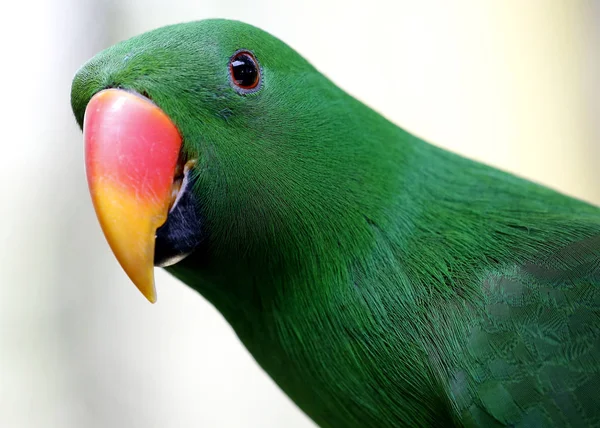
column 214, row 137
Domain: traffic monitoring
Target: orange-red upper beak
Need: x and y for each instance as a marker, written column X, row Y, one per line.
column 131, row 153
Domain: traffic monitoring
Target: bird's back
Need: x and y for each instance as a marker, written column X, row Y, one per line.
column 520, row 327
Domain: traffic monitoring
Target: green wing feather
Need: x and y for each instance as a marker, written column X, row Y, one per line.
column 495, row 283
column 519, row 307
column 534, row 356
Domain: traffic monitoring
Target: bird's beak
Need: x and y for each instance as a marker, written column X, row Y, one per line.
column 131, row 155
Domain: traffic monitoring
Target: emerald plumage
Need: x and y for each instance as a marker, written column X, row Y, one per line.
column 378, row 279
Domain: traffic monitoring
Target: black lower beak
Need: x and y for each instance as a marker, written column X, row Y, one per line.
column 182, row 233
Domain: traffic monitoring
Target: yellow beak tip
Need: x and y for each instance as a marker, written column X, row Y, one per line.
column 149, row 292
column 151, row 298
column 144, row 281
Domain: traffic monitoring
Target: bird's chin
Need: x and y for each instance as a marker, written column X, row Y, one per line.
column 183, row 232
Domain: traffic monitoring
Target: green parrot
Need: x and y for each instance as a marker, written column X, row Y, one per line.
column 379, row 280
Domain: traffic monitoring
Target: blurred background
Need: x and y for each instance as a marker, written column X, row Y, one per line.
column 511, row 83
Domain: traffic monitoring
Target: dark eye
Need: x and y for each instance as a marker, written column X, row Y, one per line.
column 244, row 71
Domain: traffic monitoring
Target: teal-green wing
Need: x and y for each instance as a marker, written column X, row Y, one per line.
column 533, row 355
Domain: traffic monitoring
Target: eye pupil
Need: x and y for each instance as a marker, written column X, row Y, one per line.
column 244, row 70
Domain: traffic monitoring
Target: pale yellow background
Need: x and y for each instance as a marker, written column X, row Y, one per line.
column 511, row 83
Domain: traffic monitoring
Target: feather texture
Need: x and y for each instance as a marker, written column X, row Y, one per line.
column 381, row 281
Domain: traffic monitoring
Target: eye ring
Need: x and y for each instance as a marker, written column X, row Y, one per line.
column 245, row 73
